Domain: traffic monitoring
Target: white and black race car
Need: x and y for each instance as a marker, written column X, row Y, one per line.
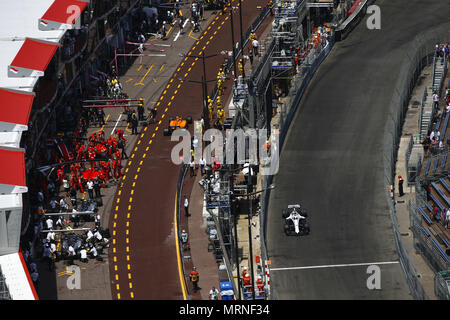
column 296, row 223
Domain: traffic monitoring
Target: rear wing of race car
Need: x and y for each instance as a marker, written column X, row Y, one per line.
column 293, row 206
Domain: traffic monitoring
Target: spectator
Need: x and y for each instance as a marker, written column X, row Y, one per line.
column 90, row 186
column 213, row 294
column 83, row 255
column 186, row 206
column 184, row 240
column 195, row 277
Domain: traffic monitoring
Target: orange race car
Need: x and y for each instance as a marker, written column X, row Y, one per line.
column 177, row 123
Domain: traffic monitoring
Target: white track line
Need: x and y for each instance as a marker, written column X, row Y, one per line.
column 334, row 266
column 176, row 37
column 120, row 116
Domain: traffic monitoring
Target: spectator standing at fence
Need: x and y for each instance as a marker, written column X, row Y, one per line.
column 400, row 186
column 186, row 206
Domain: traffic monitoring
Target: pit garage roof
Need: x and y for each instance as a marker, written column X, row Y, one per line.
column 15, row 107
column 33, row 55
column 64, row 11
column 12, row 171
column 19, row 20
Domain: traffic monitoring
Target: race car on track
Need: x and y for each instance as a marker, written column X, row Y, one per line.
column 177, row 123
column 296, row 223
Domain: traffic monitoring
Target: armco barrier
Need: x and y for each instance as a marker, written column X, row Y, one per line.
column 344, row 29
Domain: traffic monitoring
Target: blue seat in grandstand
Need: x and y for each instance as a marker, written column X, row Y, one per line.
column 442, row 253
column 442, row 240
column 425, row 216
column 443, row 161
column 429, row 207
column 441, row 193
column 445, row 184
column 425, row 231
column 436, row 201
column 427, row 167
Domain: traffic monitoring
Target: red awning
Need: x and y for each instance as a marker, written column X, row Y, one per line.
column 34, row 55
column 64, row 11
column 15, row 106
column 12, row 170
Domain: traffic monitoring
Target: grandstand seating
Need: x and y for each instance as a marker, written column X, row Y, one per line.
column 434, row 170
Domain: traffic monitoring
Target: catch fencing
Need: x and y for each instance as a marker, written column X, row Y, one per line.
column 419, row 54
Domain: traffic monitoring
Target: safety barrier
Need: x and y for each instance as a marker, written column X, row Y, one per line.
column 181, row 177
column 350, row 23
column 418, row 55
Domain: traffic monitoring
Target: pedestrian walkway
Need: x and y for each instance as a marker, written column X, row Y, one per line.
column 199, row 255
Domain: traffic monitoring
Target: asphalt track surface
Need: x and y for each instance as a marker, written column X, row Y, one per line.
column 143, row 255
column 332, row 163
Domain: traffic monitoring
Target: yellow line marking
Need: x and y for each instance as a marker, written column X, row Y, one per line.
column 162, row 67
column 134, row 183
column 117, row 208
column 132, row 294
column 118, row 296
column 117, row 277
column 131, row 286
column 132, row 156
column 131, row 79
column 180, row 269
column 129, row 275
column 140, row 82
column 144, row 155
column 140, row 67
column 139, row 169
column 117, row 287
column 131, row 199
column 146, row 149
column 132, row 192
column 126, row 170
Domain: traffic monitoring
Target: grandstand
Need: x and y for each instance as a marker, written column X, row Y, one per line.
column 428, row 214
